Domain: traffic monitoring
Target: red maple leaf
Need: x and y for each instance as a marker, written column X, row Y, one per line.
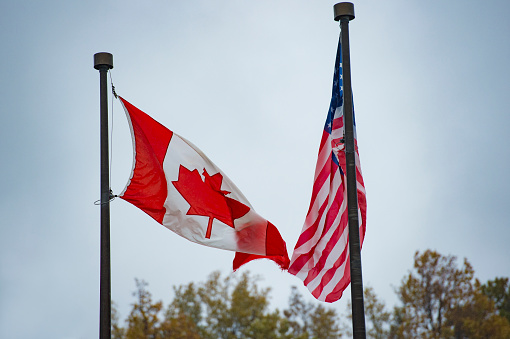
column 206, row 197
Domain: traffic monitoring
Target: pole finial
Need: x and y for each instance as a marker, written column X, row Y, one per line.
column 342, row 9
column 103, row 60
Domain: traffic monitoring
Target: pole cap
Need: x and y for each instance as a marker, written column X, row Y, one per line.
column 103, row 60
column 344, row 9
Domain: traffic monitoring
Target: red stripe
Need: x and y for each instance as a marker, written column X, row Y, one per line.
column 321, row 212
column 324, row 152
column 335, row 237
column 308, row 234
column 359, row 177
column 319, row 182
column 330, row 274
column 317, row 254
column 337, row 292
column 338, row 123
column 311, row 230
column 324, row 139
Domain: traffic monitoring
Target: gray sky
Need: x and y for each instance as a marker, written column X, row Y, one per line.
column 249, row 82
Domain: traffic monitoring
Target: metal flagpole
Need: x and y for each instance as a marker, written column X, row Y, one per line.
column 103, row 62
column 344, row 12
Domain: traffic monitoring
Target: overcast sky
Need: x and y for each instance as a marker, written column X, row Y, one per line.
column 248, row 82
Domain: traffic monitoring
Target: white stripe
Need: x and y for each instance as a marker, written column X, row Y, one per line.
column 311, row 219
column 331, row 259
column 303, row 273
column 335, row 253
column 322, row 158
column 305, row 247
column 320, row 198
column 317, row 237
column 339, row 275
column 360, row 187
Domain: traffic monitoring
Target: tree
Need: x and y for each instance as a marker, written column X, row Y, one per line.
column 180, row 327
column 117, row 330
column 498, row 290
column 143, row 320
column 377, row 319
column 307, row 321
column 428, row 295
column 441, row 300
column 225, row 308
column 478, row 318
column 233, row 307
column 184, row 314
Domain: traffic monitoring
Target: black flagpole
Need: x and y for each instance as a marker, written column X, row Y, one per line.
column 344, row 12
column 103, row 62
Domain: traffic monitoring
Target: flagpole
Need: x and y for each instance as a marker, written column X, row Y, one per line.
column 103, row 62
column 344, row 12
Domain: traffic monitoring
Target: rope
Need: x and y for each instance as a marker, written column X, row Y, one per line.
column 111, row 131
column 111, row 196
column 113, row 87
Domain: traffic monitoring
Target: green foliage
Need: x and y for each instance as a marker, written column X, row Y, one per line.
column 498, row 290
column 232, row 308
column 377, row 319
column 308, row 321
column 229, row 308
column 143, row 319
column 117, row 331
column 184, row 314
column 478, row 318
column 429, row 293
column 441, row 300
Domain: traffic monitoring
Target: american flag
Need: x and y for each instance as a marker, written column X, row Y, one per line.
column 321, row 255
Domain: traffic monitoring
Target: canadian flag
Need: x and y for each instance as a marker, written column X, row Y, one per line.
column 177, row 185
